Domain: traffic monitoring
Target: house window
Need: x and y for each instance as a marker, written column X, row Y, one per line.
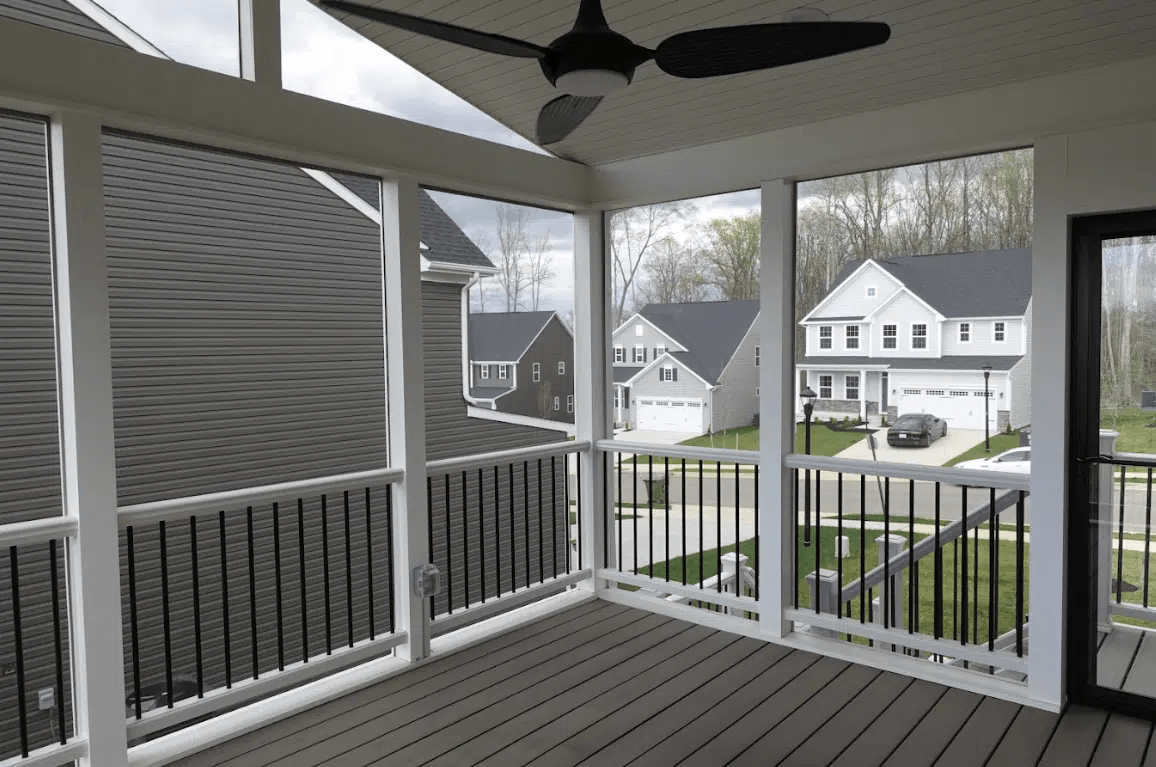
column 502, row 372
column 919, row 336
column 659, row 351
column 965, row 332
column 557, row 403
column 569, row 403
column 825, row 335
column 872, row 291
column 537, row 372
column 758, row 355
column 669, row 373
column 638, row 329
column 851, row 387
column 890, row 335
column 639, row 353
column 999, row 334
column 561, row 368
column 485, row 371
column 617, row 398
column 619, row 354
column 826, row 383
column 757, row 391
column 852, row 336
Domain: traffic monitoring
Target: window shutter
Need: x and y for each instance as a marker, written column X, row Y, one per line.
column 674, row 373
column 644, row 354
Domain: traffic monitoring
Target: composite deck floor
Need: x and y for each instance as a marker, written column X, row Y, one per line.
column 1127, row 660
column 600, row 684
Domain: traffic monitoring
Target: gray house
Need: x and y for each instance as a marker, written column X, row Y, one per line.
column 687, row 367
column 231, row 370
column 522, row 363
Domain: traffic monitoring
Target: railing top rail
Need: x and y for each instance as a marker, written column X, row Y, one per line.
column 945, row 474
column 711, row 454
column 1139, row 460
column 158, row 511
column 37, row 531
column 501, row 457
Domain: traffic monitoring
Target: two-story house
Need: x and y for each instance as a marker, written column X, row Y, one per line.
column 914, row 334
column 687, row 367
column 522, row 364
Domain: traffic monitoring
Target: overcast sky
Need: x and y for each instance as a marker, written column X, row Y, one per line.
column 323, row 58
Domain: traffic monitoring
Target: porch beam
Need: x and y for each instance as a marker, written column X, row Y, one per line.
column 260, row 38
column 87, row 449
column 43, row 70
column 404, row 369
column 776, row 406
column 592, row 386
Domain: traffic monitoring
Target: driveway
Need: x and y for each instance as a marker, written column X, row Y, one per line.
column 655, row 437
column 941, row 451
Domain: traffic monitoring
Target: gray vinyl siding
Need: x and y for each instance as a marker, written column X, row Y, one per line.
column 735, row 402
column 493, row 382
column 56, row 14
column 1021, row 379
column 650, row 338
column 29, row 441
column 553, row 345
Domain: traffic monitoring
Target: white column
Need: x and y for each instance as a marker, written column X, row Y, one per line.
column 776, row 406
column 1050, row 305
column 260, row 38
column 863, row 395
column 405, row 370
column 87, row 449
column 592, row 381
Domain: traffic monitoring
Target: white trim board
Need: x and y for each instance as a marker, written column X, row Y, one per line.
column 520, row 420
column 655, row 361
column 831, row 293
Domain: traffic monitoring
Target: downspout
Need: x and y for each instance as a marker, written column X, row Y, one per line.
column 466, row 372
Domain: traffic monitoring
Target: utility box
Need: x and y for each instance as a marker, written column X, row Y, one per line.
column 1148, row 400
column 1026, row 437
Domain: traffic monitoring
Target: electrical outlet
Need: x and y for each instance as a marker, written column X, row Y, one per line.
column 46, row 698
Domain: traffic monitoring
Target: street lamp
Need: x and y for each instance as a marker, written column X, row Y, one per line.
column 986, row 409
column 808, row 397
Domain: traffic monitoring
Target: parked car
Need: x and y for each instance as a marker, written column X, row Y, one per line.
column 916, row 429
column 1017, row 460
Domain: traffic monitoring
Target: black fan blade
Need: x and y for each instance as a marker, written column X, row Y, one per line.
column 731, row 50
column 471, row 38
column 562, row 115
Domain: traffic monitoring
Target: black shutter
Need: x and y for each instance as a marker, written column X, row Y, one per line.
column 674, row 372
column 644, row 354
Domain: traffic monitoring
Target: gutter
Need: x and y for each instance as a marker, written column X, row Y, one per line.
column 475, row 278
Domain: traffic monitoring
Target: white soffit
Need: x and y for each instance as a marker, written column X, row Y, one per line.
column 937, row 48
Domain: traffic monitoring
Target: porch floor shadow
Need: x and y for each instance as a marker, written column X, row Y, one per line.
column 601, row 684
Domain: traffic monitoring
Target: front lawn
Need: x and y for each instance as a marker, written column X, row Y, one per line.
column 824, row 440
column 1136, row 436
column 999, row 443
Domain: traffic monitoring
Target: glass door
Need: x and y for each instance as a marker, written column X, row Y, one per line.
column 1112, row 636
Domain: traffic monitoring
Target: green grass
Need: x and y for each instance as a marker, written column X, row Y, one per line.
column 824, row 440
column 1132, row 423
column 743, row 438
column 999, row 443
column 902, row 520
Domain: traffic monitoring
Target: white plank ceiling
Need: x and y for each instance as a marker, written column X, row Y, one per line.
column 937, row 47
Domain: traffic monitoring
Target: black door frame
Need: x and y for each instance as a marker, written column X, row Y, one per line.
column 1086, row 237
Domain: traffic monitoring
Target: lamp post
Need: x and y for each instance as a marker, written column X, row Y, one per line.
column 986, row 409
column 808, row 397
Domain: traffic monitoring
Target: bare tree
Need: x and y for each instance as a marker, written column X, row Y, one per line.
column 673, row 273
column 731, row 253
column 539, row 267
column 513, row 272
column 545, row 401
column 633, row 232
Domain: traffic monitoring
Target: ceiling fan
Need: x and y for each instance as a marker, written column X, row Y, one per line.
column 592, row 61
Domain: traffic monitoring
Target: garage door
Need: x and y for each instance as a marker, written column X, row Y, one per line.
column 670, row 415
column 962, row 409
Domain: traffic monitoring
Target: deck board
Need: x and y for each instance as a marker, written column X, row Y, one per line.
column 1114, row 657
column 1141, row 677
column 608, row 686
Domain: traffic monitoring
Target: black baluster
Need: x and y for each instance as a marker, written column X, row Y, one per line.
column 304, row 587
column 58, row 634
column 818, row 535
column 758, row 565
column 253, row 593
column 513, row 538
column 963, row 571
column 975, row 588
column 166, row 613
column 277, row 585
column 1147, row 535
column 449, row 548
column 482, row 529
column 325, row 567
column 1020, row 575
column 541, row 540
column 1120, row 542
column 429, row 515
column 615, row 511
column 650, row 511
column 795, row 543
column 134, row 623
column 685, row 553
column 196, row 606
column 226, row 634
column 938, row 579
column 701, row 528
column 634, row 511
column 497, row 531
column 466, row 541
column 348, row 569
column 18, row 640
column 554, row 515
column 955, row 589
column 666, row 515
column 862, row 542
column 369, row 564
column 885, row 603
column 913, row 576
column 992, row 573
column 389, row 552
column 526, row 516
column 718, row 525
column 839, row 553
column 738, row 537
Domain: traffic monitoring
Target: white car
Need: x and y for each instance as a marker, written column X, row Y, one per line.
column 1017, row 460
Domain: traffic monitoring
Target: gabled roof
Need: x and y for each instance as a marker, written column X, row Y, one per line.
column 988, row 283
column 446, row 242
column 956, row 362
column 504, row 336
column 710, row 331
column 623, row 374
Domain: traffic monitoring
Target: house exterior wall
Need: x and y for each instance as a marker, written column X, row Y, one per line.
column 851, row 300
column 493, row 381
column 688, row 386
column 905, row 311
column 553, row 345
column 838, row 340
column 982, row 338
column 56, row 14
column 650, row 338
column 735, row 402
column 1020, row 414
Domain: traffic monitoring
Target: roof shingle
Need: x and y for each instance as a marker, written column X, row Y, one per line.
column 710, row 331
column 504, row 336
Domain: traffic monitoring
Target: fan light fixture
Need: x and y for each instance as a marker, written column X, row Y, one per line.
column 591, row 82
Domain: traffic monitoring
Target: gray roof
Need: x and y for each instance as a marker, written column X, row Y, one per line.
column 710, row 331
column 446, row 241
column 624, row 374
column 989, row 283
column 504, row 336
column 488, row 392
column 973, row 362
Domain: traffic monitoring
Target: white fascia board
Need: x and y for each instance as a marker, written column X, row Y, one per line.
column 44, row 70
column 520, row 420
column 118, row 28
column 674, row 345
column 835, row 291
column 903, row 290
column 669, row 359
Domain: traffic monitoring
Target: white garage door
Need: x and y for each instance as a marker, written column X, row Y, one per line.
column 962, row 409
column 670, row 414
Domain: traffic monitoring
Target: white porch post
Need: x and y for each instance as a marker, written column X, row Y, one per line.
column 87, row 449
column 260, row 38
column 405, row 369
column 592, row 383
column 776, row 406
column 863, row 395
column 1050, row 299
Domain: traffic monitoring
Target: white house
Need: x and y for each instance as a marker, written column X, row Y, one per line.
column 914, row 334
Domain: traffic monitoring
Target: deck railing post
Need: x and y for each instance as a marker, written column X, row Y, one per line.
column 87, row 449
column 1104, row 527
column 824, row 588
column 776, row 332
column 592, row 386
column 405, row 371
column 732, row 575
column 887, row 548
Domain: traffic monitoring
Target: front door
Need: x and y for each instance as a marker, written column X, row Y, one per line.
column 1112, row 608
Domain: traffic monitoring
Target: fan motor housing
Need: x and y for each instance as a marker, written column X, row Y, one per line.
column 580, row 50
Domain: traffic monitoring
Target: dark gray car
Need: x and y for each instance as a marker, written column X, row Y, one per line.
column 916, row 430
